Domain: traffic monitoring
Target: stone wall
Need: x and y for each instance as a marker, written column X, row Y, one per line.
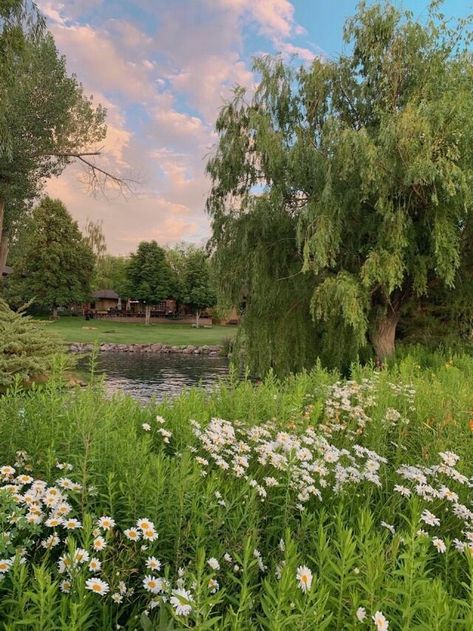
column 78, row 347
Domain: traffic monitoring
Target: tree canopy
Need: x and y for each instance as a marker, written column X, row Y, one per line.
column 342, row 191
column 150, row 277
column 198, row 292
column 46, row 121
column 55, row 265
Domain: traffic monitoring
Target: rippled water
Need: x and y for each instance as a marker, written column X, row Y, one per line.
column 148, row 375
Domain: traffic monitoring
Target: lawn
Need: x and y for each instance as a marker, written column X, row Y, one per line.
column 79, row 330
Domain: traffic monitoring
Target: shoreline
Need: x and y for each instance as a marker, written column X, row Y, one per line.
column 164, row 349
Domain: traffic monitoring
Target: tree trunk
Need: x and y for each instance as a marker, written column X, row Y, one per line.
column 147, row 314
column 54, row 314
column 197, row 316
column 3, row 239
column 383, row 336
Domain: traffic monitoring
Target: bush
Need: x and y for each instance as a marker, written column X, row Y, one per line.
column 27, row 350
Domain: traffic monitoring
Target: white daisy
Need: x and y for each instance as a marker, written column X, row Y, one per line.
column 180, row 600
column 152, row 563
column 304, row 576
column 380, row 621
column 97, row 585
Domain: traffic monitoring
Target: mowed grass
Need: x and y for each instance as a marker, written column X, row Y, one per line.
column 100, row 331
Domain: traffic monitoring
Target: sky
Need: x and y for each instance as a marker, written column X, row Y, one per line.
column 163, row 69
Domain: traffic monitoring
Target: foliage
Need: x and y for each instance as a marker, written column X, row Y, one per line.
column 198, row 292
column 46, row 121
column 95, row 238
column 234, row 541
column 349, row 181
column 56, row 265
column 150, row 276
column 27, row 350
column 111, row 273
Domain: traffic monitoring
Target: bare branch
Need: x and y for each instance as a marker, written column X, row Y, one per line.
column 98, row 175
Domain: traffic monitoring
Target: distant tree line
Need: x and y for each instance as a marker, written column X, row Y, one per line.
column 55, row 265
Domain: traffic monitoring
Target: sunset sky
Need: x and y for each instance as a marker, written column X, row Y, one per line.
column 163, row 68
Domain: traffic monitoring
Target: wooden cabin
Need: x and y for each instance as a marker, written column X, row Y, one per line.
column 104, row 300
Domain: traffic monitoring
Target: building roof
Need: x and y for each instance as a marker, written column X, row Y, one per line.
column 109, row 294
column 7, row 270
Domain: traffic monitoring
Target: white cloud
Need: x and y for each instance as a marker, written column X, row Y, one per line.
column 162, row 90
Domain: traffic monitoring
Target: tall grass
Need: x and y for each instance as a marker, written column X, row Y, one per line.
column 361, row 540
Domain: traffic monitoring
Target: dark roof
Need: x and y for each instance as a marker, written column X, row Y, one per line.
column 105, row 293
column 7, row 270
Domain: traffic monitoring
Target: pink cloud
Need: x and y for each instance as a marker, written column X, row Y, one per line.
column 194, row 57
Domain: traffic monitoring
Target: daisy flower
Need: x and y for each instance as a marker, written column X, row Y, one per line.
column 117, row 598
column 213, row 563
column 97, row 585
column 95, row 565
column 7, row 471
column 180, row 600
column 72, row 524
column 152, row 563
column 429, row 518
column 5, row 565
column 105, row 522
column 66, row 586
column 50, row 542
column 380, row 621
column 152, row 584
column 361, row 614
column 99, row 544
column 150, row 534
column 304, row 576
column 133, row 534
column 81, row 556
column 389, row 527
column 146, row 427
column 144, row 524
column 52, row 522
column 439, row 544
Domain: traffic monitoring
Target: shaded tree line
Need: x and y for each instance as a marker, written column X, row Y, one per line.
column 55, row 265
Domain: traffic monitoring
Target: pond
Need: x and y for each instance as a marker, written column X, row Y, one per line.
column 148, row 375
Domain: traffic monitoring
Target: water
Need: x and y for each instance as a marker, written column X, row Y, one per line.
column 148, row 375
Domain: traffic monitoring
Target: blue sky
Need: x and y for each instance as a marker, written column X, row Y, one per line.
column 163, row 68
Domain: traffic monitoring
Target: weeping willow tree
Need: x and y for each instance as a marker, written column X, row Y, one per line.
column 341, row 192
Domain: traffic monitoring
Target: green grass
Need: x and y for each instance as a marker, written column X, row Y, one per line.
column 407, row 414
column 79, row 330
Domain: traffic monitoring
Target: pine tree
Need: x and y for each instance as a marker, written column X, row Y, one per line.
column 27, row 350
column 55, row 266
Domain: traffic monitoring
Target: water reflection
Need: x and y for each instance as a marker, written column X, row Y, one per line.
column 148, row 375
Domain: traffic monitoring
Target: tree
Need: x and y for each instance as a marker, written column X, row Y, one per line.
column 56, row 265
column 150, row 277
column 95, row 238
column 27, row 350
column 111, row 273
column 198, row 291
column 46, row 121
column 349, row 181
